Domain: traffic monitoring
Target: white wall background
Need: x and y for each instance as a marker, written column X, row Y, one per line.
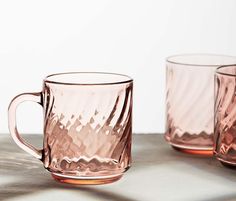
column 38, row 38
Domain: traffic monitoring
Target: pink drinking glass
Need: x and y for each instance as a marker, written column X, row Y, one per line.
column 225, row 115
column 87, row 126
column 190, row 101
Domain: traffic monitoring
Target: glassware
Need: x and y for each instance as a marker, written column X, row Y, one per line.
column 87, row 126
column 225, row 115
column 190, row 101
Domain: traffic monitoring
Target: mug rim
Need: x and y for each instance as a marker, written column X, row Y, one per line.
column 127, row 79
column 225, row 66
column 170, row 59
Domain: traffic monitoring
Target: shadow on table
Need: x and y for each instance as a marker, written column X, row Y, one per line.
column 230, row 197
column 11, row 191
column 30, row 176
column 155, row 151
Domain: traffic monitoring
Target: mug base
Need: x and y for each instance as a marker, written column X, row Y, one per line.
column 86, row 181
column 190, row 149
column 193, row 151
column 226, row 163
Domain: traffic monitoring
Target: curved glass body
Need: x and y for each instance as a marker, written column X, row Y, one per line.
column 190, row 101
column 87, row 126
column 225, row 115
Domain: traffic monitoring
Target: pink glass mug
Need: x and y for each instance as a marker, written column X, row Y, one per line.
column 190, row 101
column 87, row 126
column 225, row 115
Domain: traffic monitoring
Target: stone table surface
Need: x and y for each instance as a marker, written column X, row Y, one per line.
column 158, row 173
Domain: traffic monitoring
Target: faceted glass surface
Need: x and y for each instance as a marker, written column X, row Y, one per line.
column 190, row 101
column 225, row 115
column 87, row 126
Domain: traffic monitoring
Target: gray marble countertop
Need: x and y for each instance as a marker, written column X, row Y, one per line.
column 158, row 173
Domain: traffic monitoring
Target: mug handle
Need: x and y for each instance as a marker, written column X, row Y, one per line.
column 35, row 97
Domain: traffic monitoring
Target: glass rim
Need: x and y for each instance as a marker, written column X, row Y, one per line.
column 128, row 79
column 223, row 73
column 170, row 59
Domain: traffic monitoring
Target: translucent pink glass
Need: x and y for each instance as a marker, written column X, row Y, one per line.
column 190, row 101
column 87, row 126
column 225, row 115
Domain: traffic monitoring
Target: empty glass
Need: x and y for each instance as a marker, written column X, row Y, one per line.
column 190, row 101
column 87, row 126
column 225, row 115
